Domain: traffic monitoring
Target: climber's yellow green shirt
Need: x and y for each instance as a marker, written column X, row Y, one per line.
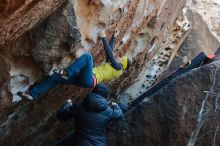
column 106, row 72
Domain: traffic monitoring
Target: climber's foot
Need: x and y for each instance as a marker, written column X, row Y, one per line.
column 25, row 95
column 61, row 73
column 117, row 14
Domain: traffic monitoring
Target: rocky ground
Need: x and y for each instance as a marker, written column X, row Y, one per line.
column 37, row 36
column 170, row 116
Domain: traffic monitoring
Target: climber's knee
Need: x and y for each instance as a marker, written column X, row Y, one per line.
column 87, row 56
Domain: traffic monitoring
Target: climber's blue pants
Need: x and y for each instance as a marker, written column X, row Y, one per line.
column 80, row 73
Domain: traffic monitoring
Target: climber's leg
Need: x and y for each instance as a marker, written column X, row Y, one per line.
column 49, row 83
column 84, row 61
column 85, row 77
column 43, row 87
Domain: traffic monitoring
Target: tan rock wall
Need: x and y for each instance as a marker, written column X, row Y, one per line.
column 17, row 17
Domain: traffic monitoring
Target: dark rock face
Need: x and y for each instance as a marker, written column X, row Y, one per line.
column 56, row 36
column 169, row 117
column 4, row 78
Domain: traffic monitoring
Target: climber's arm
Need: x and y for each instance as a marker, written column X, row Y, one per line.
column 109, row 54
column 112, row 41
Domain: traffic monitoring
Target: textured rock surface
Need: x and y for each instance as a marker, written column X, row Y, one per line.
column 39, row 50
column 151, row 34
column 195, row 42
column 209, row 11
column 152, row 44
column 169, row 117
column 19, row 17
column 55, row 37
column 5, row 97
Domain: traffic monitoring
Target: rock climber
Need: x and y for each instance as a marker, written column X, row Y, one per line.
column 81, row 72
column 91, row 116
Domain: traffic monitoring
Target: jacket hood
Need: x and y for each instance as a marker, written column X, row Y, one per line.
column 95, row 103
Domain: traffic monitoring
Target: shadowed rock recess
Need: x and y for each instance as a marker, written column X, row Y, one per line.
column 37, row 36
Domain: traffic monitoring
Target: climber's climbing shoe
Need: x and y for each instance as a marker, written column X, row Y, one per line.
column 61, row 73
column 25, row 95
